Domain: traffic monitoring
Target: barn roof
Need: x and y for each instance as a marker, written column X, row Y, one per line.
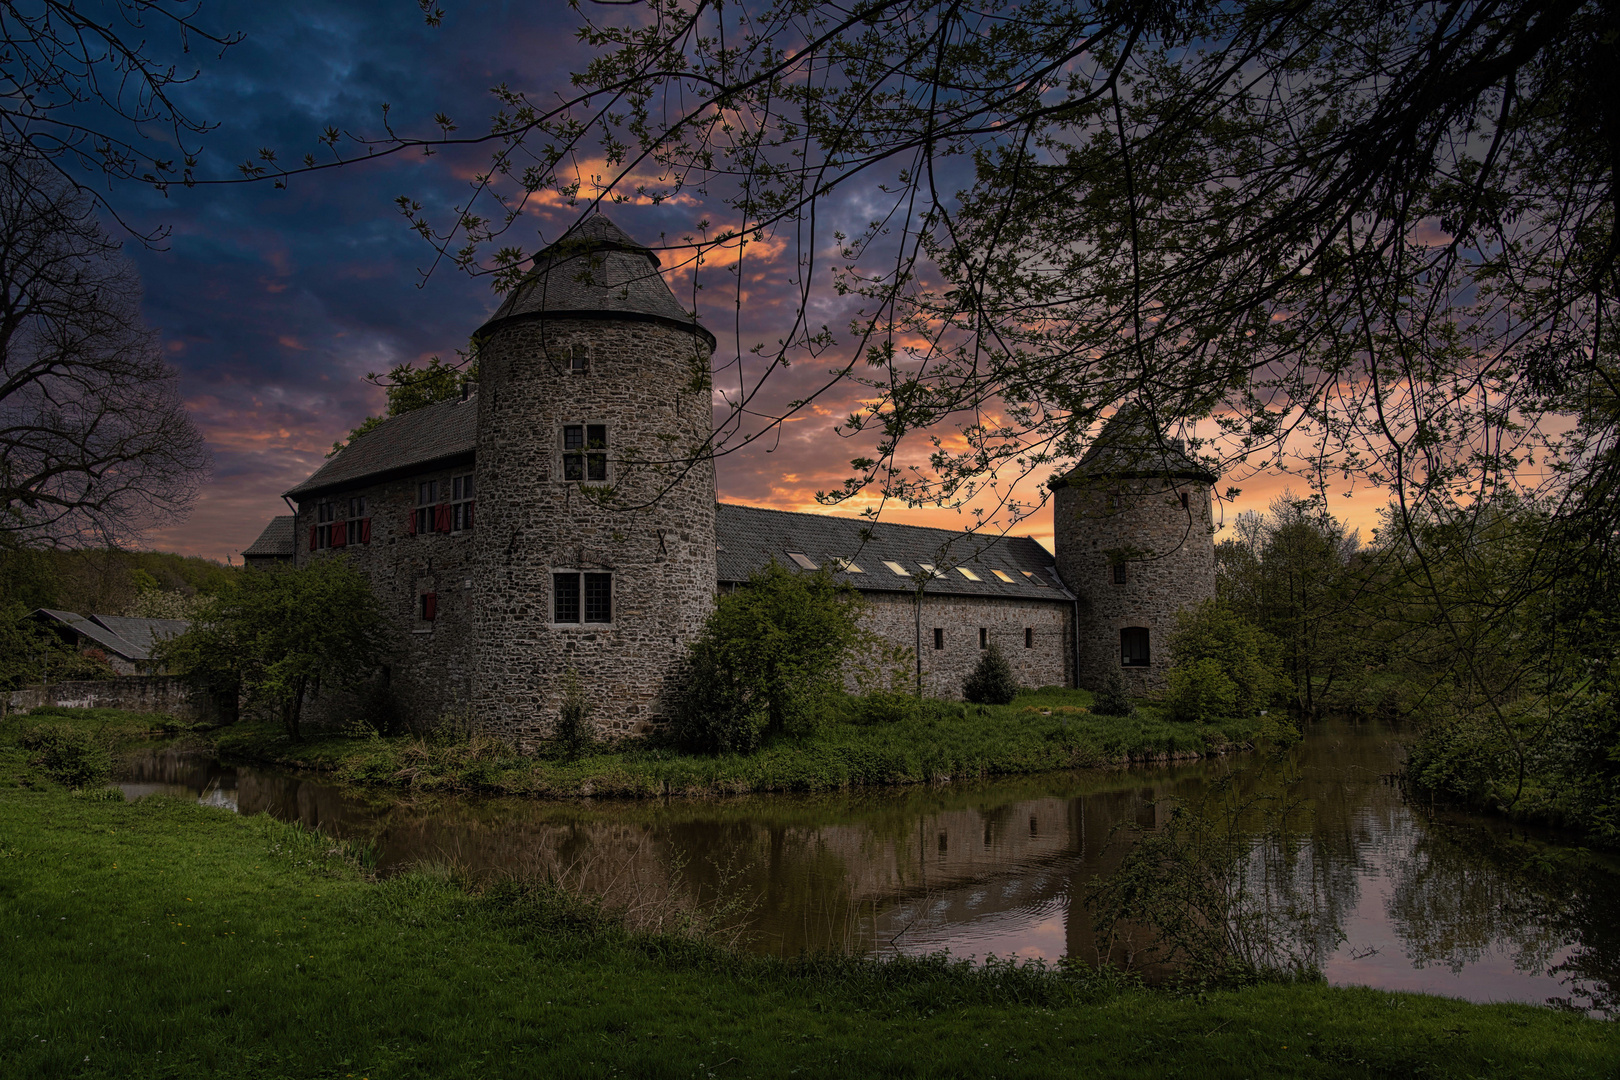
column 275, row 542
column 597, row 271
column 749, row 538
column 128, row 637
column 409, row 442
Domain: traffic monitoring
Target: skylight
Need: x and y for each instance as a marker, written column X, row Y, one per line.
column 970, row 575
column 1035, row 579
column 930, row 568
column 897, row 568
column 848, row 566
column 803, row 560
column 1002, row 574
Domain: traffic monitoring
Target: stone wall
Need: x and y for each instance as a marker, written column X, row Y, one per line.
column 429, row 669
column 651, row 525
column 1167, row 549
column 140, row 693
column 1047, row 661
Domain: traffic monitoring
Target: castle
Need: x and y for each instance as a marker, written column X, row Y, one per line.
column 563, row 515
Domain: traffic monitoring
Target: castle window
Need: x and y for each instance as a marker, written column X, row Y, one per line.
column 580, row 597
column 357, row 529
column 1184, row 500
column 1133, row 646
column 578, row 360
column 939, row 637
column 585, row 451
column 1121, row 575
column 321, row 535
column 461, row 503
column 1029, row 637
column 984, row 637
column 430, row 606
column 427, row 492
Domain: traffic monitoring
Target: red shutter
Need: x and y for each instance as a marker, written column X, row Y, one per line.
column 313, row 532
column 430, row 606
column 441, row 517
column 365, row 530
column 410, row 523
column 340, row 534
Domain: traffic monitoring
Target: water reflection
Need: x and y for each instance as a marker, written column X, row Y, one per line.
column 1378, row 893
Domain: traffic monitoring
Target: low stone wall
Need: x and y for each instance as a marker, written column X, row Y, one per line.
column 137, row 693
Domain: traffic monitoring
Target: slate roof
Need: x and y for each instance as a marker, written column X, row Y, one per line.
column 1128, row 447
column 275, row 542
column 129, row 638
column 404, row 443
column 597, row 271
column 749, row 537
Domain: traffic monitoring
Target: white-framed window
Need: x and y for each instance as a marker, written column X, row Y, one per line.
column 325, row 515
column 584, row 452
column 427, row 496
column 461, row 503
column 579, row 597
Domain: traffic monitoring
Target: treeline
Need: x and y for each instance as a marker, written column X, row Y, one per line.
column 1492, row 628
column 108, row 581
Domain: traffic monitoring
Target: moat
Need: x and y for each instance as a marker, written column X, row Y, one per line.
column 1393, row 896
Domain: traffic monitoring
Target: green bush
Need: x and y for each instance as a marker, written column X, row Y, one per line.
column 1200, row 692
column 1245, row 654
column 573, row 731
column 1113, row 699
column 884, row 707
column 67, row 755
column 992, row 681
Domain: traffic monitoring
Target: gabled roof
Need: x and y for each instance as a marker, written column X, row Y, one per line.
column 275, row 542
column 1130, row 447
column 92, row 630
column 408, row 442
column 124, row 636
column 597, row 271
column 749, row 538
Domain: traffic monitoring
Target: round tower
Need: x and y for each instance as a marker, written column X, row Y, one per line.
column 595, row 545
column 1135, row 542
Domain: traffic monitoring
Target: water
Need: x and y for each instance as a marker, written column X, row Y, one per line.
column 1392, row 896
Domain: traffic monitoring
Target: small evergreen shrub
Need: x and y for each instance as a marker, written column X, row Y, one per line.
column 1113, row 699
column 992, row 681
column 573, row 730
column 1200, row 692
column 67, row 755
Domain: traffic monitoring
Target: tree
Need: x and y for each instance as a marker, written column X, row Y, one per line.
column 770, row 660
column 1213, row 640
column 279, row 634
column 95, row 442
column 992, row 681
column 410, row 388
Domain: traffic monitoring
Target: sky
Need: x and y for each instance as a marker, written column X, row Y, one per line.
column 273, row 305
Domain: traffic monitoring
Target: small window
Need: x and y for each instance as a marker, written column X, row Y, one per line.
column 1002, row 574
column 430, row 606
column 565, row 598
column 1184, row 500
column 939, row 637
column 579, row 360
column 427, row 494
column 461, row 503
column 598, row 598
column 804, row 561
column 847, row 566
column 580, row 597
column 321, row 535
column 984, row 637
column 928, row 568
column 357, row 507
column 897, row 569
column 1133, row 647
column 1035, row 579
column 1029, row 637
column 1121, row 576
column 965, row 572
column 585, row 452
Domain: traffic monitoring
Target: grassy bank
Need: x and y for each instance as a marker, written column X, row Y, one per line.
column 1041, row 731
column 164, row 939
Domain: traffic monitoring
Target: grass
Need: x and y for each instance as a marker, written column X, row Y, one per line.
column 1041, row 731
column 111, row 725
column 165, row 939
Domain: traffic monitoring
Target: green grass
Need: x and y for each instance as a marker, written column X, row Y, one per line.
column 1041, row 731
column 112, row 725
column 164, row 939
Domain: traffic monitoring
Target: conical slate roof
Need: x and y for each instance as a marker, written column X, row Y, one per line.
column 1129, row 447
column 596, row 271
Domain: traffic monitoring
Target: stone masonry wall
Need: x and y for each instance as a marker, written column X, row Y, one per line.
column 651, row 526
column 1169, row 555
column 429, row 670
column 1046, row 663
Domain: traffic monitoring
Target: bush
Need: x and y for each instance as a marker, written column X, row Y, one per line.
column 1245, row 654
column 992, row 681
column 1201, row 693
column 1113, row 699
column 884, row 707
column 67, row 755
column 573, row 730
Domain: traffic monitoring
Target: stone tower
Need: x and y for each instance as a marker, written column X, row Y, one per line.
column 595, row 546
column 1135, row 543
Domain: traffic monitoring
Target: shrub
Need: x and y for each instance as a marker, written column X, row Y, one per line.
column 1245, row 654
column 67, row 755
column 573, row 730
column 884, row 707
column 1113, row 699
column 1200, row 692
column 992, row 681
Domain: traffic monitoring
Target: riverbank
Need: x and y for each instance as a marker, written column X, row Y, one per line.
column 1039, row 732
column 180, row 940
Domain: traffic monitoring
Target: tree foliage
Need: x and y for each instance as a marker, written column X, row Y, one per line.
column 409, row 387
column 1223, row 659
column 1114, row 699
column 992, row 681
column 280, row 634
column 770, row 660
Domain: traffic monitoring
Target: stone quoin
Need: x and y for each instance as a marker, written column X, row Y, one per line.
column 562, row 516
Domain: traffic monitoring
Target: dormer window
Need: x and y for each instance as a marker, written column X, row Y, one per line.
column 585, row 452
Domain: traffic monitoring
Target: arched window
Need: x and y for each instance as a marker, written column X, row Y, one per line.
column 1133, row 646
